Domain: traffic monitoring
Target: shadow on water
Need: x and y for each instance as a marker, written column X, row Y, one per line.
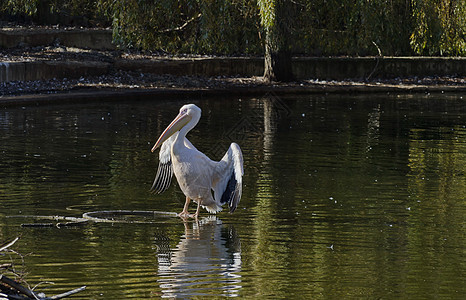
column 205, row 262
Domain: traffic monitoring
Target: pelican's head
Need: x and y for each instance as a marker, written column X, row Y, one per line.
column 189, row 114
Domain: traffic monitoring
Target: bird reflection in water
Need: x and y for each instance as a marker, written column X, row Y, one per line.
column 206, row 261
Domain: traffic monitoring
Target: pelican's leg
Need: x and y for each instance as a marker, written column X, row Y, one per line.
column 185, row 212
column 197, row 210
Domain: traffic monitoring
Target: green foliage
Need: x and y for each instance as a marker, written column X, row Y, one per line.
column 319, row 27
column 65, row 12
column 28, row 7
column 267, row 12
column 188, row 26
column 440, row 27
column 347, row 27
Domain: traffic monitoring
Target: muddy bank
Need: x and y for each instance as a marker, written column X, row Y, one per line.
column 145, row 86
column 57, row 71
column 42, row 63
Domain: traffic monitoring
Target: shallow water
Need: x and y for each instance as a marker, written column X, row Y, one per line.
column 343, row 197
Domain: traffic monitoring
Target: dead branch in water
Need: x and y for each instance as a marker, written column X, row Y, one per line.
column 11, row 289
column 18, row 287
column 8, row 245
column 69, row 293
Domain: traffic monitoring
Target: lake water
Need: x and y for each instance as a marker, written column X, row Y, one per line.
column 344, row 197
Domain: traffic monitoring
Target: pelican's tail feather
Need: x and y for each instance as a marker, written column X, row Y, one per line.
column 213, row 208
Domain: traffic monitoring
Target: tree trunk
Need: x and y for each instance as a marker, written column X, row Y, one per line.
column 277, row 63
column 277, row 19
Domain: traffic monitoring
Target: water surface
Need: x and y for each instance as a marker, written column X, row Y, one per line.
column 343, row 197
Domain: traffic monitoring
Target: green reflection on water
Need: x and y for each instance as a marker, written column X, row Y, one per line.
column 344, row 197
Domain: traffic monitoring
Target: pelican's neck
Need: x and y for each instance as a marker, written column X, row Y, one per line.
column 184, row 131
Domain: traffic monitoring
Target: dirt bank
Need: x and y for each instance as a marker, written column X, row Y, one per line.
column 135, row 74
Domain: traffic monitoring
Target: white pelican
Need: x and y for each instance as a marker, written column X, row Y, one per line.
column 198, row 176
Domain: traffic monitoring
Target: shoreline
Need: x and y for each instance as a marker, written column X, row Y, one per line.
column 61, row 74
column 236, row 86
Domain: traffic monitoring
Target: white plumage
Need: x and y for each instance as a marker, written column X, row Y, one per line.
column 197, row 175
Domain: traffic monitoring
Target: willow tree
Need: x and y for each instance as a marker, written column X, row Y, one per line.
column 275, row 28
column 440, row 27
column 276, row 20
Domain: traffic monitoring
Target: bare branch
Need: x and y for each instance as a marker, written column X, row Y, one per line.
column 69, row 293
column 9, row 244
column 180, row 28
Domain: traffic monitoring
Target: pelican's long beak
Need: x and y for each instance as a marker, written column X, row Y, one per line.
column 179, row 122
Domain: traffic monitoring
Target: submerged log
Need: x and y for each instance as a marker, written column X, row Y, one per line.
column 106, row 216
column 70, row 221
column 23, row 290
column 31, row 294
column 38, row 225
column 59, row 224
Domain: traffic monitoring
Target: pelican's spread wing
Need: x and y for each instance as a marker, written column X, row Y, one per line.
column 165, row 171
column 228, row 185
